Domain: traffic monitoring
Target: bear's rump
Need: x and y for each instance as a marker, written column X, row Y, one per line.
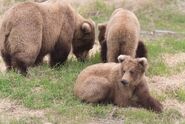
column 94, row 89
column 24, row 42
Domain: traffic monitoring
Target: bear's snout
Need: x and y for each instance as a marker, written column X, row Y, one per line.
column 124, row 82
column 82, row 56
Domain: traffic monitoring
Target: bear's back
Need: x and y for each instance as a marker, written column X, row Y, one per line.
column 23, row 11
column 99, row 70
column 121, row 23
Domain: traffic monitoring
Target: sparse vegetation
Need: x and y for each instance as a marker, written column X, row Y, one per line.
column 52, row 89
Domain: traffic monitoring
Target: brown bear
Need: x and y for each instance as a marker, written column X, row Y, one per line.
column 117, row 83
column 121, row 36
column 31, row 30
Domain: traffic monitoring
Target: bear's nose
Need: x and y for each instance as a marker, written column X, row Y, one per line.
column 124, row 82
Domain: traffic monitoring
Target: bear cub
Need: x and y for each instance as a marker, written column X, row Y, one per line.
column 120, row 35
column 117, row 83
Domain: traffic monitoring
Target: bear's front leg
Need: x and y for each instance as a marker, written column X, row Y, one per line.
column 121, row 100
column 145, row 99
column 59, row 54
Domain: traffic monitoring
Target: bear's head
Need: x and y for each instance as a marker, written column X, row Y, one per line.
column 132, row 69
column 84, row 39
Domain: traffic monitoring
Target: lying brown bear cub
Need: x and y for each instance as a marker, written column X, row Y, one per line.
column 117, row 83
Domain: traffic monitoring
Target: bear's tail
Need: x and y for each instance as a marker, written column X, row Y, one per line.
column 141, row 50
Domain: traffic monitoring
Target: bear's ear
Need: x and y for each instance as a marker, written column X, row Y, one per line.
column 122, row 58
column 143, row 61
column 86, row 28
column 92, row 22
column 102, row 26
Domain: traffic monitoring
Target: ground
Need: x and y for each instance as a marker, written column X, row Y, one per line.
column 46, row 95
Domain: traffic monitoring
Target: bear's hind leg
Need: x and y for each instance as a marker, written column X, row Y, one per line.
column 113, row 51
column 23, row 59
column 59, row 54
column 39, row 60
column 19, row 66
column 94, row 90
column 7, row 59
column 128, row 50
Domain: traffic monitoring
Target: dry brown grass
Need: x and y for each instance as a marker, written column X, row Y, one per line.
column 174, row 104
column 174, row 59
column 13, row 110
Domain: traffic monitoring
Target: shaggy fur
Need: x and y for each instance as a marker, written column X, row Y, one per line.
column 140, row 52
column 117, row 83
column 103, row 42
column 121, row 35
column 31, row 30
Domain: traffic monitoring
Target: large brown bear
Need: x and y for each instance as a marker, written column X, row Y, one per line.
column 31, row 30
column 121, row 36
column 118, row 83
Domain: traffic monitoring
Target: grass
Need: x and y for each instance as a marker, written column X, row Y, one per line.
column 157, row 48
column 160, row 14
column 98, row 10
column 52, row 89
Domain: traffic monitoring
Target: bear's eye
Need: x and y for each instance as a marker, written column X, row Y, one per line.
column 123, row 72
column 131, row 72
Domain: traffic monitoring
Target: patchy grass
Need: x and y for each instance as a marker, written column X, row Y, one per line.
column 44, row 86
column 98, row 10
column 47, row 88
column 53, row 88
column 153, row 14
column 161, row 14
column 180, row 94
column 157, row 48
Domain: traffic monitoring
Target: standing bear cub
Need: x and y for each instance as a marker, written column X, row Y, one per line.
column 121, row 36
column 31, row 30
column 117, row 83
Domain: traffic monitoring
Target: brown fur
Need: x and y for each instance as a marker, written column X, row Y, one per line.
column 140, row 52
column 103, row 42
column 116, row 82
column 31, row 30
column 121, row 35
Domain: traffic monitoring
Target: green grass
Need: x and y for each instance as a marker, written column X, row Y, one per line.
column 98, row 10
column 160, row 46
column 52, row 89
column 180, row 94
column 160, row 14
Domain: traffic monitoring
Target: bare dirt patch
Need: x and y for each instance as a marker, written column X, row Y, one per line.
column 106, row 121
column 174, row 104
column 181, row 5
column 12, row 110
column 174, row 59
column 162, row 84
